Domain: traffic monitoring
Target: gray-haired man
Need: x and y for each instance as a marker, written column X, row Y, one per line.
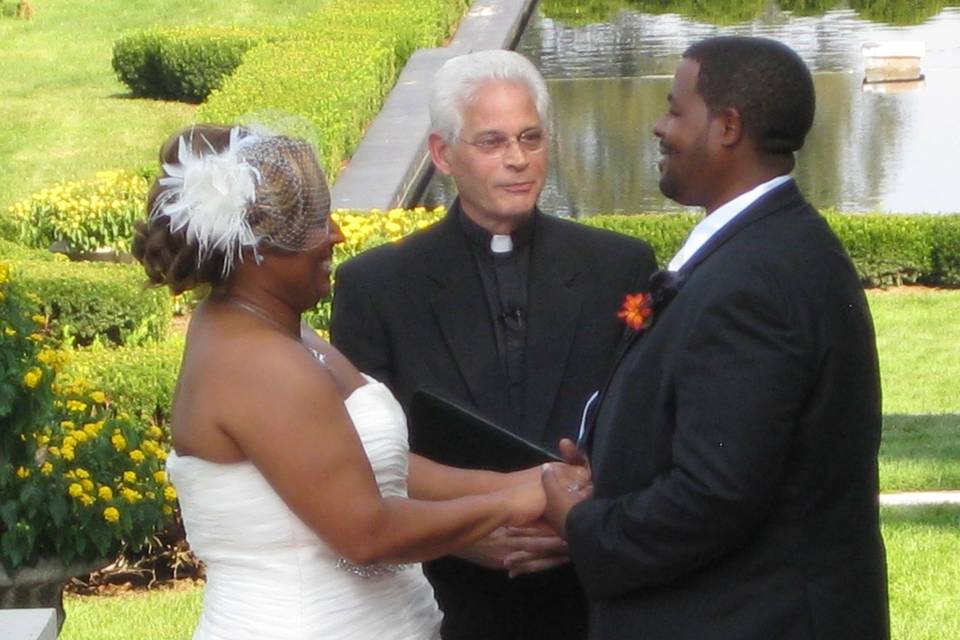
column 501, row 308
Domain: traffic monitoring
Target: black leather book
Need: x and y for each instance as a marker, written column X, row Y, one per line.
column 450, row 434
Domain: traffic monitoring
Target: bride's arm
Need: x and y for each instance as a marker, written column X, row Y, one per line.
column 430, row 480
column 288, row 417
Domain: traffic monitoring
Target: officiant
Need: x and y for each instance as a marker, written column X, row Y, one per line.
column 503, row 309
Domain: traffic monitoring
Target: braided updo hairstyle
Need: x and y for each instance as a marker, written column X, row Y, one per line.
column 291, row 202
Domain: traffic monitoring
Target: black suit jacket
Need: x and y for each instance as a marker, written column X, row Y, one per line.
column 414, row 315
column 735, row 449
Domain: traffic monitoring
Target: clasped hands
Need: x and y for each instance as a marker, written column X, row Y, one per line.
column 539, row 545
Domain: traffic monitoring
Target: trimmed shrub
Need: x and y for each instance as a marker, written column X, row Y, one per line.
column 83, row 215
column 86, row 302
column 887, row 249
column 338, row 70
column 10, row 250
column 307, row 78
column 946, row 251
column 184, row 63
column 139, row 379
column 411, row 24
column 665, row 232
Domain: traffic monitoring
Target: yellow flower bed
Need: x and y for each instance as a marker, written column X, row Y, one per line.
column 83, row 215
column 364, row 231
column 67, row 486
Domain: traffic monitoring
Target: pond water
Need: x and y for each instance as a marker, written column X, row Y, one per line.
column 891, row 147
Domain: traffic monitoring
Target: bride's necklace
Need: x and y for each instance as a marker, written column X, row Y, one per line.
column 260, row 313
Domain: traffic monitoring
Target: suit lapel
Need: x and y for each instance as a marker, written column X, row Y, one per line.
column 771, row 202
column 781, row 197
column 460, row 309
column 554, row 310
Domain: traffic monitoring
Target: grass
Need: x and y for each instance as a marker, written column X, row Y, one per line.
column 920, row 370
column 167, row 614
column 924, row 571
column 922, row 559
column 920, row 453
column 919, row 351
column 65, row 115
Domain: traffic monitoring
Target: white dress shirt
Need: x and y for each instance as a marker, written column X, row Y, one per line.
column 722, row 216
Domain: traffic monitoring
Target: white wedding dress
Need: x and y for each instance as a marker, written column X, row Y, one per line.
column 270, row 577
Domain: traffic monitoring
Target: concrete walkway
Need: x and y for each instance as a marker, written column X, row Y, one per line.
column 911, row 498
column 392, row 160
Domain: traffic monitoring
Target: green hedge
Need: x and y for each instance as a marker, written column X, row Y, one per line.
column 887, row 249
column 665, row 232
column 411, row 24
column 184, row 63
column 10, row 250
column 89, row 301
column 946, row 249
column 337, row 105
column 337, row 72
column 138, row 380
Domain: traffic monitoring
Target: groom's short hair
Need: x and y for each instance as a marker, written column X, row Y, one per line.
column 765, row 81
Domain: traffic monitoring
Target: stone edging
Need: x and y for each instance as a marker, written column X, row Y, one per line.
column 912, row 498
column 392, row 161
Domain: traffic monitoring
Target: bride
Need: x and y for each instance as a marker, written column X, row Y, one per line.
column 295, row 482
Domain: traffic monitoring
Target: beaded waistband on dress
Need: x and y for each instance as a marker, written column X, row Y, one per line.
column 371, row 570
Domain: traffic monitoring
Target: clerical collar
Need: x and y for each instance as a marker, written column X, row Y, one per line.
column 488, row 243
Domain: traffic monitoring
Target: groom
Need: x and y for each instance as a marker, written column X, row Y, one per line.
column 734, row 451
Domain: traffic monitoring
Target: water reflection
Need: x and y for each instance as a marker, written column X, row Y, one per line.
column 879, row 149
column 633, row 44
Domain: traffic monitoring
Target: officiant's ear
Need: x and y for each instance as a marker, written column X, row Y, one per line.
column 439, row 148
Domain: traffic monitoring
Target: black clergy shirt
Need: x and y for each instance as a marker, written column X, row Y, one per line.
column 504, row 265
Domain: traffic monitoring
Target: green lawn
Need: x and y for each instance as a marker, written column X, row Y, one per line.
column 920, row 452
column 920, row 369
column 149, row 615
column 922, row 559
column 917, row 337
column 64, row 113
column 923, row 565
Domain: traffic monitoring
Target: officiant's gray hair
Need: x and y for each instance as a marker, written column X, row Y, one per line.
column 457, row 82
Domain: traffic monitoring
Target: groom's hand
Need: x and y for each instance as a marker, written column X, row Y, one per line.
column 572, row 455
column 565, row 486
column 518, row 550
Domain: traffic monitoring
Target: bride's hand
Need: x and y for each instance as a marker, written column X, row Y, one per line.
column 526, row 503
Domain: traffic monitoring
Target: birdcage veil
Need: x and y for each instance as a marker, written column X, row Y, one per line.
column 264, row 189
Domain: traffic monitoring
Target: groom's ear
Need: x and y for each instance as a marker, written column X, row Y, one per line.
column 731, row 126
column 438, row 153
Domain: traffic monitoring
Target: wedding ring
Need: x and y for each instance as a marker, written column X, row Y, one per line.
column 572, row 487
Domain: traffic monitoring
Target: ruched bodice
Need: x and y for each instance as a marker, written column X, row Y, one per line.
column 270, row 576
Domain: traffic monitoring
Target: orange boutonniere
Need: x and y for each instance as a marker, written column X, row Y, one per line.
column 637, row 311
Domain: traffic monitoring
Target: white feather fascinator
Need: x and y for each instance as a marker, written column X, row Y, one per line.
column 261, row 188
column 209, row 195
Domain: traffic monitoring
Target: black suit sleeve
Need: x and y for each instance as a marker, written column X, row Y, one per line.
column 738, row 387
column 356, row 328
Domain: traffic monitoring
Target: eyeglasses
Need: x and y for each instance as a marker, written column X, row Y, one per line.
column 495, row 145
